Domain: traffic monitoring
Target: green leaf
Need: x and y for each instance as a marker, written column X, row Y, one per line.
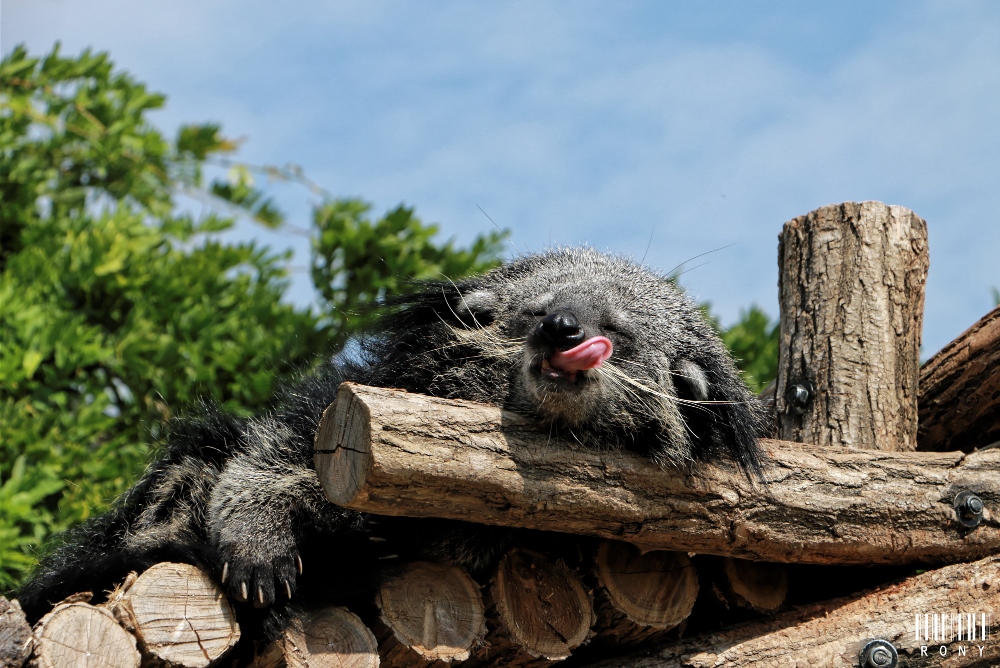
column 32, row 359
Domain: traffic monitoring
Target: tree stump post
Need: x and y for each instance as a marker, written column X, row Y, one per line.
column 851, row 286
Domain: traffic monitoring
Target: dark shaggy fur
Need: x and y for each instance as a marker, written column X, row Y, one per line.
column 240, row 499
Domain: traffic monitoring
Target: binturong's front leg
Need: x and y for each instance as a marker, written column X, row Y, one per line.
column 265, row 496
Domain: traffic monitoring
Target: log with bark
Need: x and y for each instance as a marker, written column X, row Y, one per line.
column 833, row 633
column 851, row 286
column 389, row 452
column 960, row 391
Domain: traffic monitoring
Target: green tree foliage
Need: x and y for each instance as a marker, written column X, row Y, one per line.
column 357, row 262
column 753, row 341
column 117, row 310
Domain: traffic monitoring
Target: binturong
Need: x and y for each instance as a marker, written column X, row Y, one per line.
column 597, row 348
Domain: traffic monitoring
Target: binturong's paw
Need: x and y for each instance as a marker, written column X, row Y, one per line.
column 259, row 571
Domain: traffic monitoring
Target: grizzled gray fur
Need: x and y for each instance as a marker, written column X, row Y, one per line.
column 239, row 497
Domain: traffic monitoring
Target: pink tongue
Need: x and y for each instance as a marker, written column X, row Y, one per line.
column 588, row 355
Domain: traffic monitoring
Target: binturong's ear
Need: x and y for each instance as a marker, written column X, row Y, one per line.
column 691, row 380
column 475, row 308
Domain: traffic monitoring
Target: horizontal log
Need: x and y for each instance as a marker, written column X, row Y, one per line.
column 833, row 633
column 960, row 390
column 393, row 453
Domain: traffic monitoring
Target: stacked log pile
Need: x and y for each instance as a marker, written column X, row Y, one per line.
column 171, row 615
column 854, row 479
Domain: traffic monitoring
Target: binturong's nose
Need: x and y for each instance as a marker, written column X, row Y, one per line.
column 560, row 329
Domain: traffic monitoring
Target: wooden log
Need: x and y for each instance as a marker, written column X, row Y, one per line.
column 851, row 286
column 15, row 635
column 331, row 637
column 430, row 614
column 833, row 633
column 538, row 612
column 757, row 585
column 640, row 597
column 392, row 453
column 83, row 636
column 960, row 391
column 179, row 614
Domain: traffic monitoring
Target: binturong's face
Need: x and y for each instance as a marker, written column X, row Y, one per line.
column 597, row 344
column 600, row 349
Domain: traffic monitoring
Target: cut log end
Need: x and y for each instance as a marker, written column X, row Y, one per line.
column 341, row 453
column 83, row 636
column 432, row 612
column 655, row 589
column 542, row 604
column 180, row 615
column 327, row 638
column 757, row 585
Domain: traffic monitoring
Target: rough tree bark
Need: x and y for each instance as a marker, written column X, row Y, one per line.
column 960, row 391
column 851, row 287
column 833, row 633
column 393, row 453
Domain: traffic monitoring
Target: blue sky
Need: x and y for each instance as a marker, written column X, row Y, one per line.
column 703, row 124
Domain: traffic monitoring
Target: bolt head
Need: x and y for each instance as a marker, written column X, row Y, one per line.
column 879, row 654
column 974, row 505
column 880, row 658
column 798, row 396
column 969, row 509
